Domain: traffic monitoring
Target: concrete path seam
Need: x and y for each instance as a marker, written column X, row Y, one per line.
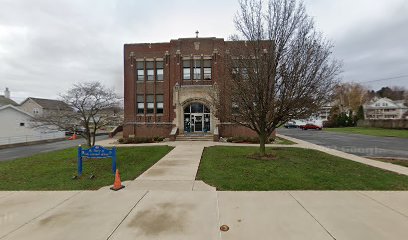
column 218, row 215
column 24, row 224
column 116, row 228
column 312, row 216
column 383, row 204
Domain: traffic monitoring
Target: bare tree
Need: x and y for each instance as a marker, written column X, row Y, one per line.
column 350, row 96
column 281, row 67
column 93, row 107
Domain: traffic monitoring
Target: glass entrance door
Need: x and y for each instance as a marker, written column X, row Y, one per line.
column 197, row 118
column 198, row 123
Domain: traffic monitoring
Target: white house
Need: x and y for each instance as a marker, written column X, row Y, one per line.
column 385, row 108
column 15, row 127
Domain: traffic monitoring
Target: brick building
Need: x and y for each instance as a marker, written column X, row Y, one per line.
column 169, row 87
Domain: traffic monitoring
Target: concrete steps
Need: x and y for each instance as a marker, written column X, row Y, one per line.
column 195, row 137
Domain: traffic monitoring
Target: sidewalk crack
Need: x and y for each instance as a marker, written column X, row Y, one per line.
column 116, row 228
column 312, row 216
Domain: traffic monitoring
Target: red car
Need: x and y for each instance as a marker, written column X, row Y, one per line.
column 310, row 126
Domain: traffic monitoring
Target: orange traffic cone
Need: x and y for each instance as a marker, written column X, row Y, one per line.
column 74, row 137
column 117, row 185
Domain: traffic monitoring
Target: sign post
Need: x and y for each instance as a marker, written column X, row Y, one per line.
column 96, row 152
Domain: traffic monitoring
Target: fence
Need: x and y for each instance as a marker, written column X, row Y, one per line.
column 384, row 123
column 31, row 138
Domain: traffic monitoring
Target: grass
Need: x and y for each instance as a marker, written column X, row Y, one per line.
column 400, row 162
column 379, row 132
column 283, row 141
column 54, row 170
column 229, row 169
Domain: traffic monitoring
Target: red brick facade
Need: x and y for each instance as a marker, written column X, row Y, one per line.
column 171, row 93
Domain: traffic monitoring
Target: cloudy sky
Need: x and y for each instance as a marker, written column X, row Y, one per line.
column 47, row 45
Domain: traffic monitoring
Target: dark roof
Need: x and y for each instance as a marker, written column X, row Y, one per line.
column 51, row 104
column 6, row 101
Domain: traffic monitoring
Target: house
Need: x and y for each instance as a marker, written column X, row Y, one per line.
column 6, row 100
column 385, row 108
column 168, row 88
column 16, row 127
column 41, row 106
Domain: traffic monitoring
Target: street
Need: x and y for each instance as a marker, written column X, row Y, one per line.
column 361, row 145
column 25, row 151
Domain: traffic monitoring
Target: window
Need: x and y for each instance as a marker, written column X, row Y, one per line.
column 22, row 124
column 140, row 70
column 36, row 111
column 150, row 103
column 197, row 69
column 159, row 71
column 150, row 71
column 140, row 104
column 159, row 104
column 186, row 70
column 207, row 69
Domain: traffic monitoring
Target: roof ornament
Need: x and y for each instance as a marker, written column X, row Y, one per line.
column 197, row 32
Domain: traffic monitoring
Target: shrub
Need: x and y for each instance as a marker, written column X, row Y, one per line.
column 133, row 140
column 244, row 139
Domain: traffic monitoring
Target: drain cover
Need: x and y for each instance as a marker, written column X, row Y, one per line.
column 224, row 228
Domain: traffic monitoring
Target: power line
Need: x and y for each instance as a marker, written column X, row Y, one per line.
column 383, row 79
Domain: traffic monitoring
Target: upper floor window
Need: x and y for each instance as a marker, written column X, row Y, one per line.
column 140, row 70
column 197, row 69
column 150, row 71
column 207, row 69
column 186, row 70
column 159, row 71
column 36, row 111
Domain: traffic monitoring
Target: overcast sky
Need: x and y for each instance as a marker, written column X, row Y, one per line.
column 48, row 45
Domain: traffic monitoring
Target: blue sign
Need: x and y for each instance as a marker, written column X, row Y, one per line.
column 96, row 152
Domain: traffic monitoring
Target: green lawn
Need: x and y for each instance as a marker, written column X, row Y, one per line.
column 54, row 170
column 229, row 168
column 379, row 132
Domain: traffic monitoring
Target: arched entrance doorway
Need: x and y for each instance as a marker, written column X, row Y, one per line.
column 197, row 118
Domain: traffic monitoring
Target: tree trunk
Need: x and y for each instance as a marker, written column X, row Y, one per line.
column 93, row 138
column 262, row 141
column 88, row 139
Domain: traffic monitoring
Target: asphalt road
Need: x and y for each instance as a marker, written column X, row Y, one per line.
column 361, row 145
column 25, row 151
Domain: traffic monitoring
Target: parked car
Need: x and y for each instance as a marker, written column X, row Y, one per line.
column 290, row 124
column 311, row 126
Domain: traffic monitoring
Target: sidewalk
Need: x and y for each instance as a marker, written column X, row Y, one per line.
column 129, row 214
